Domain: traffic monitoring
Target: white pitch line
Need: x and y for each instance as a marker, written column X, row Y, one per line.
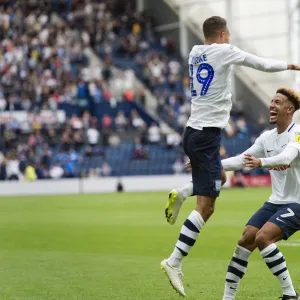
column 290, row 245
column 293, row 243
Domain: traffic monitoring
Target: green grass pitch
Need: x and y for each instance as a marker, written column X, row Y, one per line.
column 109, row 247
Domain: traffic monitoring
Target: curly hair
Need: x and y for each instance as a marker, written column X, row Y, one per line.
column 292, row 96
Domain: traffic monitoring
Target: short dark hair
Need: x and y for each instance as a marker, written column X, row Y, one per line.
column 212, row 25
column 292, row 96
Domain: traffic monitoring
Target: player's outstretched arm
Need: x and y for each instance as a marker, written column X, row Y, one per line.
column 233, row 163
column 282, row 159
column 228, row 164
column 265, row 64
column 237, row 162
column 232, row 55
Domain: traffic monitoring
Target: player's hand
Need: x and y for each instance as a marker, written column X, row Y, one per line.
column 294, row 67
column 251, row 162
column 188, row 166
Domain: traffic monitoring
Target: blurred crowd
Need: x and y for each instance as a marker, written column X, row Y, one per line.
column 119, row 34
column 56, row 150
column 40, row 60
column 45, row 61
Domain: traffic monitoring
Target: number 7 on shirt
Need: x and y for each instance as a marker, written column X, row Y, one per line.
column 205, row 81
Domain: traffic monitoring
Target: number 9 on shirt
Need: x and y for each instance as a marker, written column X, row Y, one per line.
column 204, row 75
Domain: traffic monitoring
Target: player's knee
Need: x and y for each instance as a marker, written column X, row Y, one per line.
column 248, row 240
column 205, row 206
column 210, row 209
column 206, row 210
column 262, row 240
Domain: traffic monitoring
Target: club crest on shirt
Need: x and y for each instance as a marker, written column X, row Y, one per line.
column 297, row 137
column 218, row 185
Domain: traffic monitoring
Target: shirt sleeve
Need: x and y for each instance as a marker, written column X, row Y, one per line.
column 236, row 163
column 264, row 64
column 232, row 55
column 233, row 163
column 282, row 159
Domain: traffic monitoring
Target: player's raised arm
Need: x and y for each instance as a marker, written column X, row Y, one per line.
column 237, row 162
column 232, row 55
column 283, row 159
column 264, row 64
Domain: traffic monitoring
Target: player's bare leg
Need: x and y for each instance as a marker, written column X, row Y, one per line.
column 178, row 196
column 265, row 240
column 187, row 238
column 239, row 262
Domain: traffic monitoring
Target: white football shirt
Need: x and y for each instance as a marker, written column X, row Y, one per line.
column 285, row 178
column 210, row 68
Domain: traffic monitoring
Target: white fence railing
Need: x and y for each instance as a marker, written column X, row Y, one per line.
column 98, row 185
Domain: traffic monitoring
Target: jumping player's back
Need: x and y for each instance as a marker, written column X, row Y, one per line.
column 209, row 68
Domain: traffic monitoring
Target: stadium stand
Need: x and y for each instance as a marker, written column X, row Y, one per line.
column 62, row 117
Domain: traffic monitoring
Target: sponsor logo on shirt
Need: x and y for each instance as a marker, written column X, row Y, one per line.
column 297, row 137
column 282, row 168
